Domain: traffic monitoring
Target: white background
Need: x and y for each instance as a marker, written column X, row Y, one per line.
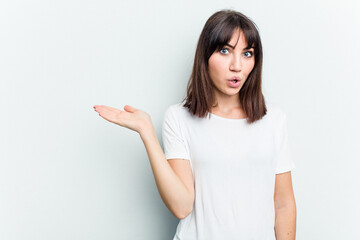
column 66, row 173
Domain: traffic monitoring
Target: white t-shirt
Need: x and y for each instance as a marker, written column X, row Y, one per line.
column 234, row 165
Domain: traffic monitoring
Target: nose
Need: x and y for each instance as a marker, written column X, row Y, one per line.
column 236, row 64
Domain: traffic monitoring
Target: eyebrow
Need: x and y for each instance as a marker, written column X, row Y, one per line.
column 247, row 48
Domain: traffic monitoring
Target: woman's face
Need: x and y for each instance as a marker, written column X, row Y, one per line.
column 230, row 66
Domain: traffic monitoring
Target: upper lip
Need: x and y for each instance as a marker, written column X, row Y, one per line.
column 235, row 78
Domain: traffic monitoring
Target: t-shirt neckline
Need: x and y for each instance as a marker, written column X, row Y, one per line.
column 227, row 119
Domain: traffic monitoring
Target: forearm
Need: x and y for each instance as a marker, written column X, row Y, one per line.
column 285, row 222
column 172, row 190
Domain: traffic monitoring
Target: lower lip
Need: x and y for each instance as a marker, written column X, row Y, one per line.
column 234, row 85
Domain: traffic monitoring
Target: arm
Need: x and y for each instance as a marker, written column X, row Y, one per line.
column 177, row 196
column 285, row 207
column 176, row 192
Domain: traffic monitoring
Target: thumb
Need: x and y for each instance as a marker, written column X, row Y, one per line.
column 129, row 108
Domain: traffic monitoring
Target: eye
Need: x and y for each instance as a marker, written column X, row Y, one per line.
column 224, row 51
column 249, row 54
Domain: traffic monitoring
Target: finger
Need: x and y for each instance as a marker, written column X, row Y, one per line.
column 109, row 112
column 102, row 108
column 129, row 108
column 98, row 107
column 107, row 115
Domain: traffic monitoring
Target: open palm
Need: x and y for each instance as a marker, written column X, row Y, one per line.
column 132, row 118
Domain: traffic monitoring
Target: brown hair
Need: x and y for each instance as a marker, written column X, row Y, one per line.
column 216, row 33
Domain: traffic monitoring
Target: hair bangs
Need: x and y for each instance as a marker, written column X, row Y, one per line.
column 223, row 32
column 252, row 39
column 221, row 35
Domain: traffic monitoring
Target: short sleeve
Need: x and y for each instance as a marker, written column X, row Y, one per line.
column 284, row 161
column 173, row 141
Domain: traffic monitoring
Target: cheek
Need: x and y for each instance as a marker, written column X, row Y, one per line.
column 215, row 66
column 249, row 67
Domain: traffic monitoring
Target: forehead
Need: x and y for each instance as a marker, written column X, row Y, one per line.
column 238, row 38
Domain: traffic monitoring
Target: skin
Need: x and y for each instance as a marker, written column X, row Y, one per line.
column 232, row 60
column 173, row 177
column 285, row 207
column 132, row 118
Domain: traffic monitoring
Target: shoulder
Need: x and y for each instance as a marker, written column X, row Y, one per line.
column 176, row 110
column 175, row 113
column 174, row 107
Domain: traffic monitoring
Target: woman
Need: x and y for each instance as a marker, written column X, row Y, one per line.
column 226, row 176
